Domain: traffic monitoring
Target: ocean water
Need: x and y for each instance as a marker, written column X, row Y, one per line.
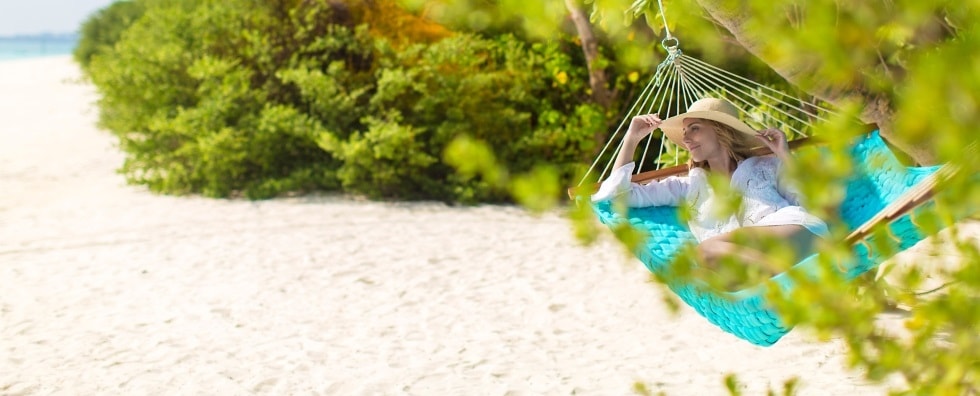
column 24, row 47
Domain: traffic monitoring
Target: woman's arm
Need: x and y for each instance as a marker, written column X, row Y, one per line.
column 670, row 191
column 640, row 127
column 775, row 140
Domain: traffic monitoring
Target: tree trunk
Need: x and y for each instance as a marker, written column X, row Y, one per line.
column 601, row 93
column 878, row 108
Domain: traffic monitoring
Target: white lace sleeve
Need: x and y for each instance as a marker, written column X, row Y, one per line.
column 669, row 191
column 786, row 187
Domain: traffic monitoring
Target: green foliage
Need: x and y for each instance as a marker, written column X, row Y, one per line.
column 494, row 91
column 624, row 46
column 191, row 91
column 921, row 57
column 264, row 98
column 100, row 32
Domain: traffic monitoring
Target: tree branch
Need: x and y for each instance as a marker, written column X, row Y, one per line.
column 590, row 46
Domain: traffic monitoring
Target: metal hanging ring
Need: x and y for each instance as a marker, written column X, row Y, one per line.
column 667, row 46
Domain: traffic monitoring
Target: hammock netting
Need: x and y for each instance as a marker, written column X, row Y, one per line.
column 879, row 179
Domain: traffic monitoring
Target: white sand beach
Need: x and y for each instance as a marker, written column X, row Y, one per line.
column 108, row 289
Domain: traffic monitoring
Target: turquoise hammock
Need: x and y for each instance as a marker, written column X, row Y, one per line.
column 879, row 180
column 881, row 191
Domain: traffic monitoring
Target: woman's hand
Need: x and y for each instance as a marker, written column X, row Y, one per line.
column 642, row 125
column 775, row 140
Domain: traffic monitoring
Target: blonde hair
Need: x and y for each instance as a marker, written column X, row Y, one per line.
column 729, row 138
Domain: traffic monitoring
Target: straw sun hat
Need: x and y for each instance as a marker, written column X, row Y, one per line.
column 713, row 109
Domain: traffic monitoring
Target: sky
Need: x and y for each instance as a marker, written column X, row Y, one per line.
column 45, row 16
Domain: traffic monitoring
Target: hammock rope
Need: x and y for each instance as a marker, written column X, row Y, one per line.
column 663, row 15
column 680, row 80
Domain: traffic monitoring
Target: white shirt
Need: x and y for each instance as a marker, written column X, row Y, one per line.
column 766, row 198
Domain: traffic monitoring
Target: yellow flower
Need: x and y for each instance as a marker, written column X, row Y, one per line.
column 562, row 77
column 633, row 77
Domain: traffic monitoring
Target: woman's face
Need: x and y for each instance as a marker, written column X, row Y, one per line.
column 701, row 140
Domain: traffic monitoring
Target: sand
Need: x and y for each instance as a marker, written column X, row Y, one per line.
column 106, row 288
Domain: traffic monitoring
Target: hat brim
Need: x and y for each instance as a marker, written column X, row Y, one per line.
column 673, row 127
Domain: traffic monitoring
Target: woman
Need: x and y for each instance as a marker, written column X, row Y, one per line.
column 720, row 144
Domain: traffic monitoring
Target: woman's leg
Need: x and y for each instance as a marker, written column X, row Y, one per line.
column 749, row 245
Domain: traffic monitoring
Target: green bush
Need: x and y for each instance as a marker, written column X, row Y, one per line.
column 192, row 95
column 100, row 32
column 496, row 91
column 244, row 97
